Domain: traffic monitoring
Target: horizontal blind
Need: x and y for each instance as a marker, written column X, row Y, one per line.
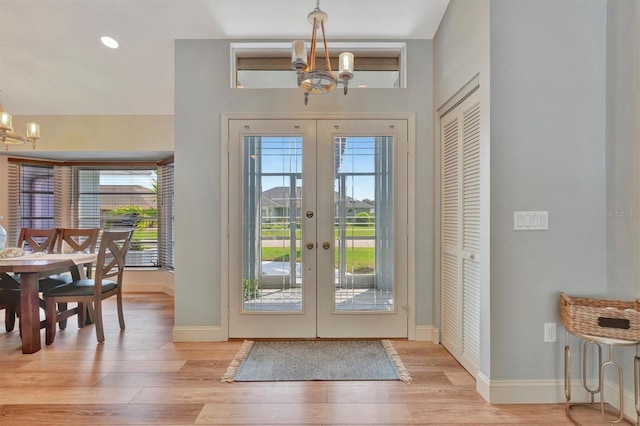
column 166, row 207
column 116, row 198
column 32, row 188
column 283, row 63
column 62, row 199
column 13, row 221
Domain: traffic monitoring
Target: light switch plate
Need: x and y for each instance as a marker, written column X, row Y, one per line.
column 531, row 220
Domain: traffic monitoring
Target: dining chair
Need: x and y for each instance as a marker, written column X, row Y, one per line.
column 75, row 240
column 31, row 240
column 37, row 240
column 90, row 292
column 71, row 240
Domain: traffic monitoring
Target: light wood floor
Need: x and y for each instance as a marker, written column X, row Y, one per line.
column 140, row 377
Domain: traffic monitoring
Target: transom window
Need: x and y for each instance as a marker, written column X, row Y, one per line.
column 268, row 65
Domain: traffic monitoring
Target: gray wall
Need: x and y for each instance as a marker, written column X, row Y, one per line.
column 559, row 142
column 202, row 94
column 622, row 149
column 548, row 132
column 623, row 179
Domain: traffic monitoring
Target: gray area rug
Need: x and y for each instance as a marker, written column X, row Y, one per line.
column 316, row 360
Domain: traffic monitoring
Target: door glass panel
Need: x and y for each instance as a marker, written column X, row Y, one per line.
column 363, row 200
column 271, row 230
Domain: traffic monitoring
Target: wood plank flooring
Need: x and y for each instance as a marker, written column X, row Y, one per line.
column 140, row 377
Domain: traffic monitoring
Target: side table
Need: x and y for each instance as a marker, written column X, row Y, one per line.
column 612, row 344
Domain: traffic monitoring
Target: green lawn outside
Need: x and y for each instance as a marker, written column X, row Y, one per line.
column 279, row 232
column 359, row 259
column 145, row 235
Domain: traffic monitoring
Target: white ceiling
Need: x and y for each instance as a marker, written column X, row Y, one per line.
column 52, row 62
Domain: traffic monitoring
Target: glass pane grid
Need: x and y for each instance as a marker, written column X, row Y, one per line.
column 272, row 237
column 36, row 205
column 271, row 224
column 122, row 199
column 364, row 251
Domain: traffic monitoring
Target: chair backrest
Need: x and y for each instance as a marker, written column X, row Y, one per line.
column 37, row 240
column 111, row 256
column 72, row 240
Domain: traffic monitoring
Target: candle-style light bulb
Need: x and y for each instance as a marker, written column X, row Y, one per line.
column 6, row 121
column 299, row 55
column 346, row 63
column 33, row 130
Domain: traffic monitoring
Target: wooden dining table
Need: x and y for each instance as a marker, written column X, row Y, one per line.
column 31, row 268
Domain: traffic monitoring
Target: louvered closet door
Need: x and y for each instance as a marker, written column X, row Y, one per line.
column 450, row 275
column 460, row 263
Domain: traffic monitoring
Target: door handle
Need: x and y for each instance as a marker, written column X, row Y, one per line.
column 326, row 245
column 310, row 246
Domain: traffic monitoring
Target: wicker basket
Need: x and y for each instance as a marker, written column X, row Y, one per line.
column 615, row 319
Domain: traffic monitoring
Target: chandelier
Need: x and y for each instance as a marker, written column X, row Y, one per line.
column 7, row 137
column 313, row 80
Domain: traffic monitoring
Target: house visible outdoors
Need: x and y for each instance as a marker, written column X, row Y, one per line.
column 278, row 202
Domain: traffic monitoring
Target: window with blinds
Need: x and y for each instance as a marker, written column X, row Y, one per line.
column 121, row 199
column 166, row 207
column 46, row 195
column 31, row 197
column 268, row 65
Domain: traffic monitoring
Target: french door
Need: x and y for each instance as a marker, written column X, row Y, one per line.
column 317, row 228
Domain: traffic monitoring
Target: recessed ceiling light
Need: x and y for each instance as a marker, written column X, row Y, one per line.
column 109, row 42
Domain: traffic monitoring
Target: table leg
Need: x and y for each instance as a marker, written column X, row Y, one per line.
column 29, row 313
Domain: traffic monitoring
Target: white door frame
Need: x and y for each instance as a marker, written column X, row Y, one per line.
column 224, row 193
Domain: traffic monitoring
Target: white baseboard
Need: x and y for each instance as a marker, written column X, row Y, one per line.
column 148, row 280
column 427, row 333
column 199, row 334
column 531, row 391
column 149, row 288
column 612, row 396
column 547, row 392
column 483, row 386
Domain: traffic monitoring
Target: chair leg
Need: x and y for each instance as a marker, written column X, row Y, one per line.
column 9, row 319
column 120, row 311
column 51, row 316
column 97, row 319
column 82, row 315
column 89, row 312
column 63, row 323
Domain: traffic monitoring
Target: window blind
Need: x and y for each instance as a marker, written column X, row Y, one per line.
column 122, row 196
column 32, row 186
column 117, row 198
column 63, row 217
column 166, row 207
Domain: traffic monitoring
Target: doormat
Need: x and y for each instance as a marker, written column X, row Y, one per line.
column 306, row 360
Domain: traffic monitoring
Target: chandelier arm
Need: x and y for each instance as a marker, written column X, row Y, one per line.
column 8, row 137
column 326, row 50
column 312, row 55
